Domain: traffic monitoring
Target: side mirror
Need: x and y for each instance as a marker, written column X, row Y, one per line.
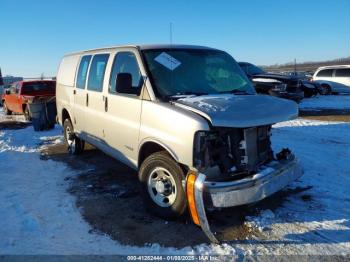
column 7, row 91
column 124, row 83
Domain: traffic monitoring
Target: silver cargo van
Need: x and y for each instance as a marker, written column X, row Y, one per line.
column 186, row 117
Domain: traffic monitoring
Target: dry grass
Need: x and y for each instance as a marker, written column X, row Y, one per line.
column 343, row 118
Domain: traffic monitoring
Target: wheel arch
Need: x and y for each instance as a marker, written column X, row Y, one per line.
column 65, row 115
column 324, row 83
column 327, row 86
column 151, row 146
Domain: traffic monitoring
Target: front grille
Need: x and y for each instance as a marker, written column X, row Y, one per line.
column 256, row 147
column 232, row 150
column 294, row 86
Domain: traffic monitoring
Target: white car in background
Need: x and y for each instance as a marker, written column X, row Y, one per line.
column 333, row 79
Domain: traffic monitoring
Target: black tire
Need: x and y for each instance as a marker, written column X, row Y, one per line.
column 164, row 161
column 325, row 89
column 309, row 93
column 26, row 113
column 6, row 110
column 75, row 145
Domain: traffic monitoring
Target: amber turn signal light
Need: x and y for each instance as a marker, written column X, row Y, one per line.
column 191, row 199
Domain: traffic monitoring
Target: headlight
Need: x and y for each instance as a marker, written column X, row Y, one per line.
column 199, row 148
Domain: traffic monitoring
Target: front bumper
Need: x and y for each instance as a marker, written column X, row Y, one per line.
column 270, row 179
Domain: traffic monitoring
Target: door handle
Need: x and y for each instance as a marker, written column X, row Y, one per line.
column 106, row 104
column 74, row 92
column 87, row 99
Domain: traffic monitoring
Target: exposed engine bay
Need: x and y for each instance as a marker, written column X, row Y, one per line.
column 226, row 153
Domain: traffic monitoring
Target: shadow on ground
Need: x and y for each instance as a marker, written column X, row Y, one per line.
column 107, row 194
column 13, row 125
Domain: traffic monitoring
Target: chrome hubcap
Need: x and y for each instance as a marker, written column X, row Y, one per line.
column 162, row 187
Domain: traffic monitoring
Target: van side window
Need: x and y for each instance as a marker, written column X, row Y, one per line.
column 82, row 71
column 344, row 72
column 325, row 73
column 97, row 72
column 125, row 62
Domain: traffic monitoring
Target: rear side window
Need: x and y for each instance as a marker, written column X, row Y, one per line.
column 344, row 72
column 97, row 72
column 82, row 72
column 125, row 62
column 325, row 73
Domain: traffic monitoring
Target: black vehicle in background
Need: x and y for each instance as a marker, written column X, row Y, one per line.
column 279, row 85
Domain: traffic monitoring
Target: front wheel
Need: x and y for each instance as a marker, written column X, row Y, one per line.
column 6, row 109
column 163, row 193
column 74, row 144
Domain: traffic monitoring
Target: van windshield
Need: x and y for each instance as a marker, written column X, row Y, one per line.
column 39, row 87
column 195, row 72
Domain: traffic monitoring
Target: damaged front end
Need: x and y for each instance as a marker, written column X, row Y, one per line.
column 236, row 166
column 226, row 153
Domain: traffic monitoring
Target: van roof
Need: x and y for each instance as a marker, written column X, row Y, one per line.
column 145, row 47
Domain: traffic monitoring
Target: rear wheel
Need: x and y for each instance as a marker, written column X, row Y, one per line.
column 74, row 144
column 162, row 189
column 325, row 89
column 26, row 113
column 6, row 110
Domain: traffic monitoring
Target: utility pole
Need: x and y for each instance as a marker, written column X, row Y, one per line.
column 1, row 79
column 295, row 66
column 171, row 33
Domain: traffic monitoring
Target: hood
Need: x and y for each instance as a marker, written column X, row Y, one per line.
column 275, row 76
column 240, row 111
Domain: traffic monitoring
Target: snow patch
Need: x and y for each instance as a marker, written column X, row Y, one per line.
column 261, row 222
column 38, row 216
column 326, row 102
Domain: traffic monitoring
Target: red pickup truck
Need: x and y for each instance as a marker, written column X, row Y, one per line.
column 17, row 97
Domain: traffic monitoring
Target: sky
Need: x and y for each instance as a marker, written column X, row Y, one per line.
column 36, row 34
